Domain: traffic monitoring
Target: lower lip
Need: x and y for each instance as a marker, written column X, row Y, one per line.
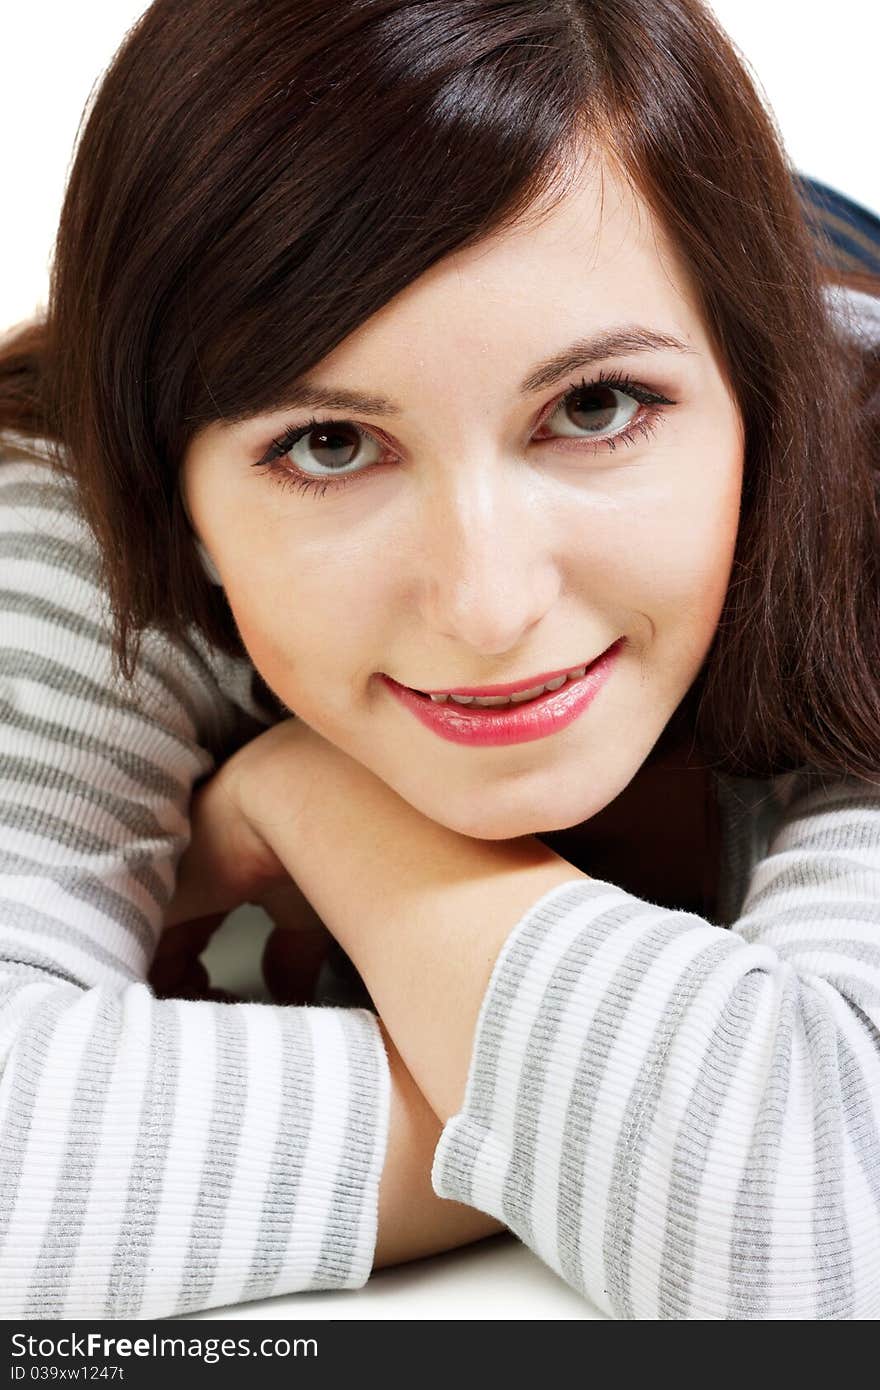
column 489, row 727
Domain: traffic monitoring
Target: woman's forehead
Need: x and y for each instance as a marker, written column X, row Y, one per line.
column 596, row 258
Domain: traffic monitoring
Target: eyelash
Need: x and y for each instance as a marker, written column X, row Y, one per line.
column 642, row 424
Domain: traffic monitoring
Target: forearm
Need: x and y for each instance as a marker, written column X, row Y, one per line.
column 413, row 1220
column 421, row 910
column 427, row 950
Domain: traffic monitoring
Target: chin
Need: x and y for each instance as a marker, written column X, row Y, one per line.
column 478, row 827
column 505, row 826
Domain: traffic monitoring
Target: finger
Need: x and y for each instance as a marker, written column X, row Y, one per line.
column 177, row 947
column 291, row 964
column 190, row 937
column 222, row 996
column 287, row 906
column 186, row 980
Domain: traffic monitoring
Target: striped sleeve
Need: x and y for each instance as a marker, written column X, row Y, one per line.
column 157, row 1157
column 682, row 1119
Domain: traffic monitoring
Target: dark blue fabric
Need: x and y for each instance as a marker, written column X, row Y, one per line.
column 847, row 234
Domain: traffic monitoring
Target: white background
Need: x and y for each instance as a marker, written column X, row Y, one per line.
column 818, row 69
column 817, row 66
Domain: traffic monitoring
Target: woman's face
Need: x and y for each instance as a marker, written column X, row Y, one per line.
column 491, row 528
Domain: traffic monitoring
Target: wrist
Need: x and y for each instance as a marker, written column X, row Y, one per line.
column 264, row 780
column 412, row 1220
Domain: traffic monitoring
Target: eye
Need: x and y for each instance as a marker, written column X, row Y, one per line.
column 606, row 409
column 596, row 415
column 325, row 449
column 595, row 409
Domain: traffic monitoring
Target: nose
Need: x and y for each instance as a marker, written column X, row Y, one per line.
column 487, row 569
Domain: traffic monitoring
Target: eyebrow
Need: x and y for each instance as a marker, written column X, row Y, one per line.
column 622, row 341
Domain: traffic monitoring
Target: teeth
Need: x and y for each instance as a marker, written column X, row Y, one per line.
column 487, row 701
column 526, row 694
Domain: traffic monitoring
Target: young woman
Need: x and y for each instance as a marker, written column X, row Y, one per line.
column 394, row 356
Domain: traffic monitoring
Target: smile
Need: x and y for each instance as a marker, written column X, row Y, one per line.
column 530, row 693
column 493, row 720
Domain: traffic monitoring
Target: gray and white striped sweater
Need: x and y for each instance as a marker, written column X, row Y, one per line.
column 156, row 1156
column 680, row 1117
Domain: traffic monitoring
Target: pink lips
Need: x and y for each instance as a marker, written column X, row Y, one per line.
column 532, row 719
column 513, row 689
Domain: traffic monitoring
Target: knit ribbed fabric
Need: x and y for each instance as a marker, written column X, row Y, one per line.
column 156, row 1156
column 678, row 1116
column 682, row 1117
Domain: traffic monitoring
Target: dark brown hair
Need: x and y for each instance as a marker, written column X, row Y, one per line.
column 254, row 180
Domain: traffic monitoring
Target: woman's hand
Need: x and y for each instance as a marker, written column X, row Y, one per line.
column 226, row 864
column 420, row 910
column 295, row 951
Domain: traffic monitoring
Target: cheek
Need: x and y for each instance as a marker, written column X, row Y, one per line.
column 699, row 545
column 663, row 555
column 672, row 558
column 308, row 630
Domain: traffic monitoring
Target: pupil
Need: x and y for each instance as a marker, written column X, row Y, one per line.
column 326, row 451
column 600, row 405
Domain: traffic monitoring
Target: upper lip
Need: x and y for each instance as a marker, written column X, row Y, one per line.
column 515, row 686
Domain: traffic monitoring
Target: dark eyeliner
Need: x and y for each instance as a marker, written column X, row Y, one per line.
column 642, row 425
